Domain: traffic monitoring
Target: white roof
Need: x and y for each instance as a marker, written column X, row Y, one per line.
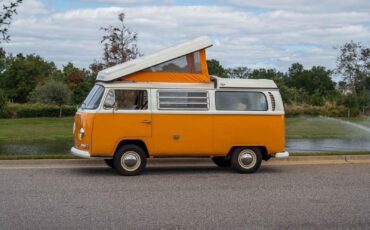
column 150, row 60
column 245, row 83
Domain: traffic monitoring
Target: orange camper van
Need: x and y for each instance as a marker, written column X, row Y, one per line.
column 167, row 105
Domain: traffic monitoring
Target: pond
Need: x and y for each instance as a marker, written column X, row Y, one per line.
column 327, row 145
column 292, row 145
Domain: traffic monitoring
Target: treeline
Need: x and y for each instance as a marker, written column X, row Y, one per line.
column 28, row 83
column 31, row 86
column 313, row 91
column 31, row 79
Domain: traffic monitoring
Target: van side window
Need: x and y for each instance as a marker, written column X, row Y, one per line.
column 129, row 99
column 241, row 101
column 183, row 100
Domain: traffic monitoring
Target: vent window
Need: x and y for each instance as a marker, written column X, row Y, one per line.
column 273, row 102
column 183, row 100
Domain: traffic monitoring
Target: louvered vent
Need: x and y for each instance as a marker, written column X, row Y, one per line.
column 273, row 103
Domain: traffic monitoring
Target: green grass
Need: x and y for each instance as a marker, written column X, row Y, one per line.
column 321, row 127
column 364, row 121
column 36, row 129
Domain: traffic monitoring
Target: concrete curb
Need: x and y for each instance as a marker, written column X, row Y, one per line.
column 181, row 162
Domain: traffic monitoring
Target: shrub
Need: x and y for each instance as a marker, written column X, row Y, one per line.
column 52, row 92
column 328, row 110
column 40, row 110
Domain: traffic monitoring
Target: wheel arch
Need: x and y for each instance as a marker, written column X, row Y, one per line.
column 263, row 150
column 137, row 142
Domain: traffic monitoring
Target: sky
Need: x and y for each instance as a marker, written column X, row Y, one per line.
column 251, row 33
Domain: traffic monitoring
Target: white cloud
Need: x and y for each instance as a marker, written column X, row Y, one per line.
column 274, row 38
column 119, row 1
column 306, row 5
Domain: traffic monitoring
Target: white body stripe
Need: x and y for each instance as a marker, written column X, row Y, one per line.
column 153, row 103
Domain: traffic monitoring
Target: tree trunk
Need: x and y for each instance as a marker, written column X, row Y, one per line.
column 60, row 111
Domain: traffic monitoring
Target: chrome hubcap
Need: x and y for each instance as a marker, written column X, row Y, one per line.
column 130, row 161
column 247, row 158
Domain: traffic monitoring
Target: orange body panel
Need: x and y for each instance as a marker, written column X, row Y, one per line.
column 110, row 129
column 249, row 130
column 180, row 134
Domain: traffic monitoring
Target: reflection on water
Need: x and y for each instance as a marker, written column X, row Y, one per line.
column 327, row 145
column 292, row 145
column 38, row 147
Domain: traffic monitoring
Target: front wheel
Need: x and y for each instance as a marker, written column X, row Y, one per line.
column 246, row 160
column 130, row 160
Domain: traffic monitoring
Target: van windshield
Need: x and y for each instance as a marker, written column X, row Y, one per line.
column 92, row 100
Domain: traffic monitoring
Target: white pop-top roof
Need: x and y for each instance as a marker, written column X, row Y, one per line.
column 150, row 60
column 221, row 83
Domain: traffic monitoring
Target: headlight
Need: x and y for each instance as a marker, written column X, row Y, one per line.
column 82, row 133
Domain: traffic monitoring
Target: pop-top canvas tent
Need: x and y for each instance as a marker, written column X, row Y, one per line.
column 184, row 62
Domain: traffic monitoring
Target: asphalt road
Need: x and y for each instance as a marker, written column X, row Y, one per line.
column 335, row 196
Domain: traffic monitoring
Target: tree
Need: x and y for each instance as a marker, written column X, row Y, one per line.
column 5, row 19
column 120, row 45
column 272, row 74
column 316, row 83
column 353, row 63
column 52, row 92
column 215, row 68
column 22, row 75
column 3, row 104
column 238, row 72
column 79, row 82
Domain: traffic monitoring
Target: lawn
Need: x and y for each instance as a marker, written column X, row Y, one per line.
column 36, row 129
column 321, row 127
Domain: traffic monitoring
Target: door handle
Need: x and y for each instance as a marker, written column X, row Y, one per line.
column 147, row 122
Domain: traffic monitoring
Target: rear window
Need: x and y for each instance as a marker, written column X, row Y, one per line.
column 241, row 101
column 183, row 100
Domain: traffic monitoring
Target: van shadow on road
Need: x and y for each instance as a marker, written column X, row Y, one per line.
column 172, row 170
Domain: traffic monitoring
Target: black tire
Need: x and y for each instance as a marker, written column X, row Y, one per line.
column 253, row 157
column 130, row 150
column 221, row 161
column 109, row 162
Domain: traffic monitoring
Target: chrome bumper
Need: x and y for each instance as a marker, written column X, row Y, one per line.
column 80, row 153
column 282, row 155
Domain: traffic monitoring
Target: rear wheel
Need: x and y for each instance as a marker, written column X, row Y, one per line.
column 246, row 160
column 109, row 162
column 221, row 161
column 129, row 160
